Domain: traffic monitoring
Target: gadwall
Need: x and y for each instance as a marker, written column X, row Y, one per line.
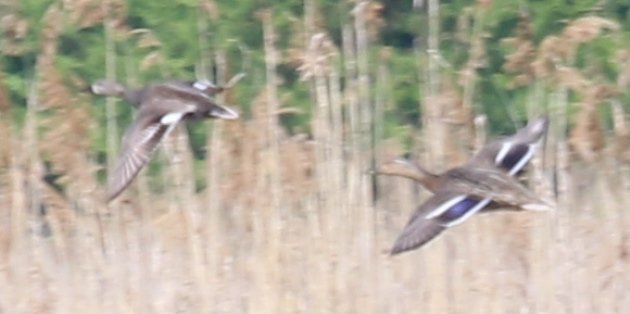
column 160, row 108
column 485, row 182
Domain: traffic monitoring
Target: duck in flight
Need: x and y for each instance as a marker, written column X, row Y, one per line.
column 486, row 182
column 136, row 96
column 160, row 108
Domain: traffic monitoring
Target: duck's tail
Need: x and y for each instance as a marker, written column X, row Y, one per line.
column 542, row 205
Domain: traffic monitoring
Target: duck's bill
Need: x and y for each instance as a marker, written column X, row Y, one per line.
column 224, row 112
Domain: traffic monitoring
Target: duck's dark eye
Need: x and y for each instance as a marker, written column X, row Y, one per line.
column 513, row 156
column 458, row 210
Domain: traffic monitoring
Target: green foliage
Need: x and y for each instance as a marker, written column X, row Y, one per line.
column 237, row 29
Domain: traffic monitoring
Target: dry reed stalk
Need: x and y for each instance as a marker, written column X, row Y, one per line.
column 455, row 123
column 328, row 136
column 542, row 227
column 272, row 56
column 113, row 228
column 338, row 163
column 252, row 179
column 207, row 12
column 8, row 144
column 110, row 74
column 432, row 113
column 271, row 161
column 587, row 137
column 5, row 142
column 620, row 125
column 13, row 28
column 560, row 219
column 363, row 77
column 383, row 98
column 316, row 66
column 521, row 60
column 215, row 172
column 366, row 22
column 348, row 52
column 468, row 77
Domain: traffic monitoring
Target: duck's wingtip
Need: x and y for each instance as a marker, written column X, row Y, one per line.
column 112, row 194
column 539, row 125
column 396, row 250
column 235, row 79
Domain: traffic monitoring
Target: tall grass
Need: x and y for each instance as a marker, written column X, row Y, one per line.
column 287, row 223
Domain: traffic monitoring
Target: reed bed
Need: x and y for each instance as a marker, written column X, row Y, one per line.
column 295, row 223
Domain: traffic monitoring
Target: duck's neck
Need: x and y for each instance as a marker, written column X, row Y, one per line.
column 413, row 171
column 427, row 179
column 134, row 96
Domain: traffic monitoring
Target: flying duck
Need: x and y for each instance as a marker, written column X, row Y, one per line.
column 136, row 96
column 485, row 182
column 160, row 108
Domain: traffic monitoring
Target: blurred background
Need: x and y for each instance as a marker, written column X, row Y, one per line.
column 277, row 212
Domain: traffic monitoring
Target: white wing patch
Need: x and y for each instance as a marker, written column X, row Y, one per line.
column 203, row 85
column 521, row 163
column 505, row 148
column 171, row 118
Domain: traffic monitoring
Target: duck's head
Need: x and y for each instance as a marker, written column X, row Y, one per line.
column 108, row 88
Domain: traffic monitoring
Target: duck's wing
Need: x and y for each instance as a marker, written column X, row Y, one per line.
column 512, row 153
column 442, row 210
column 205, row 106
column 493, row 184
column 210, row 88
column 142, row 138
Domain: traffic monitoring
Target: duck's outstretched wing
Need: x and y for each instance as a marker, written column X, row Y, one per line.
column 211, row 89
column 512, row 153
column 204, row 105
column 140, row 142
column 495, row 184
column 442, row 210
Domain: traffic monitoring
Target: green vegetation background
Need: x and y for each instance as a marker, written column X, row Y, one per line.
column 236, row 28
